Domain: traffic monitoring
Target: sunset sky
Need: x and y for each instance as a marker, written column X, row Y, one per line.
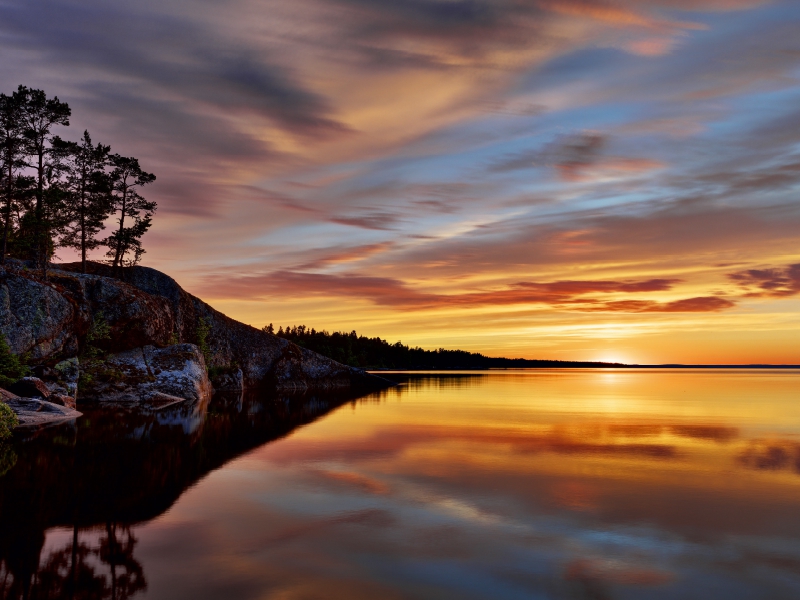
column 563, row 179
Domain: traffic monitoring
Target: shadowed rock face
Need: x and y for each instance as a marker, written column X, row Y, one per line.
column 154, row 376
column 144, row 307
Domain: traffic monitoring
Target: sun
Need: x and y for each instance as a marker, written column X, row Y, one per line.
column 614, row 357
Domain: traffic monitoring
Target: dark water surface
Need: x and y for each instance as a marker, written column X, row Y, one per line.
column 516, row 484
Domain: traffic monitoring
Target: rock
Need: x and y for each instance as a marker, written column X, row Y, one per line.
column 67, row 375
column 151, row 375
column 143, row 307
column 229, row 380
column 35, row 317
column 39, row 413
column 30, row 387
column 135, row 318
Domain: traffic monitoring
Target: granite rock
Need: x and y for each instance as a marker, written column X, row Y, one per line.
column 35, row 318
column 151, row 376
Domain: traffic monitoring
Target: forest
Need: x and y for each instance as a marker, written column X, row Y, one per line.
column 59, row 193
column 376, row 353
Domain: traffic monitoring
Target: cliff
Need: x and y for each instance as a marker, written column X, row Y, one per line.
column 147, row 330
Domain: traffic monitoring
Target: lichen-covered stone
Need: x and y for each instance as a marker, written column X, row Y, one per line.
column 148, row 375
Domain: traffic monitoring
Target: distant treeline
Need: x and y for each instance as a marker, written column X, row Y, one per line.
column 61, row 193
column 376, row 353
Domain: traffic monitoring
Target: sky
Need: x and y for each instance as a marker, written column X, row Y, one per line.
column 560, row 179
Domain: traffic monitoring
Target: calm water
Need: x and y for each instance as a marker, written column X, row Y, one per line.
column 527, row 484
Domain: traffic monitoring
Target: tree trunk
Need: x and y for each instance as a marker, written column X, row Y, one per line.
column 83, row 225
column 120, row 251
column 7, row 224
column 40, row 252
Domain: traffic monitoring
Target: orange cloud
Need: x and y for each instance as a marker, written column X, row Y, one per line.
column 395, row 293
column 699, row 304
column 613, row 14
column 775, row 282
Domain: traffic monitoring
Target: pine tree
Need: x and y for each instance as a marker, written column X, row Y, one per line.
column 12, row 159
column 89, row 188
column 125, row 245
column 39, row 115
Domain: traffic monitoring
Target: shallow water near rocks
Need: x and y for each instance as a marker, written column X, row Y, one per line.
column 594, row 484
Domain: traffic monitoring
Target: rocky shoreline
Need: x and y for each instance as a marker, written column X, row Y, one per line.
column 135, row 337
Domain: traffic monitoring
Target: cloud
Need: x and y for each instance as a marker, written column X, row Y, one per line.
column 776, row 282
column 338, row 256
column 570, row 288
column 699, row 304
column 168, row 54
column 578, row 157
column 567, row 295
column 379, row 221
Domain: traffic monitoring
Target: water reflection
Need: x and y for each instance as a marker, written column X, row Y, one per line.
column 541, row 484
column 111, row 470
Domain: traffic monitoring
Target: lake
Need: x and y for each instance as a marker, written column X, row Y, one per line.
column 594, row 484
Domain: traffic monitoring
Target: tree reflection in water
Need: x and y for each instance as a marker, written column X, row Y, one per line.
column 83, row 569
column 113, row 470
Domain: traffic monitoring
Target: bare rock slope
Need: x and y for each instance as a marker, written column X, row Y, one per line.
column 154, row 329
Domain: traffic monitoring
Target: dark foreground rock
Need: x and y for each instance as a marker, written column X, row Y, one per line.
column 148, row 323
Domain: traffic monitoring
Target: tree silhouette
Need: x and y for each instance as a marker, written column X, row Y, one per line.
column 89, row 187
column 56, row 192
column 12, row 157
column 124, row 245
column 39, row 115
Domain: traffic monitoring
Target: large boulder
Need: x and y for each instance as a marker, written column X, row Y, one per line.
column 35, row 318
column 150, row 376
